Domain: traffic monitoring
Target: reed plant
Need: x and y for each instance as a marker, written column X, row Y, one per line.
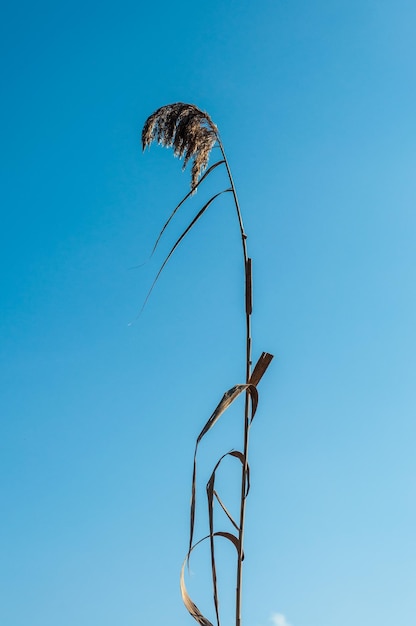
column 192, row 135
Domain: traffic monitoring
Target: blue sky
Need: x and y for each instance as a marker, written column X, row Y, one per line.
column 315, row 104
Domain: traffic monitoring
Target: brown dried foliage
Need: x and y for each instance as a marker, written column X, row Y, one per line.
column 185, row 128
column 192, row 135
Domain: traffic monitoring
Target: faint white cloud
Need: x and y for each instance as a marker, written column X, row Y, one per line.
column 278, row 619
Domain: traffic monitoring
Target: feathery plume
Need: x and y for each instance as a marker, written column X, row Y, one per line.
column 185, row 128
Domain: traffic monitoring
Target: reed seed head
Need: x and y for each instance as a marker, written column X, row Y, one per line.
column 185, row 128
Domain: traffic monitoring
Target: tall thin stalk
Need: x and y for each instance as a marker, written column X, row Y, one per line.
column 248, row 311
column 192, row 134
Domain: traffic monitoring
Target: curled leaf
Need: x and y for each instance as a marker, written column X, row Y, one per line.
column 188, row 602
column 227, row 399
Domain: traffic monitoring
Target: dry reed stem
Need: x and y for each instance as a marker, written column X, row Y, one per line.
column 192, row 135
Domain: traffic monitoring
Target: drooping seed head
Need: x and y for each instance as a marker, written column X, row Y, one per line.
column 185, row 128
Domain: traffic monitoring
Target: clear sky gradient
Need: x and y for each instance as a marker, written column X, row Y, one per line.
column 315, row 102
